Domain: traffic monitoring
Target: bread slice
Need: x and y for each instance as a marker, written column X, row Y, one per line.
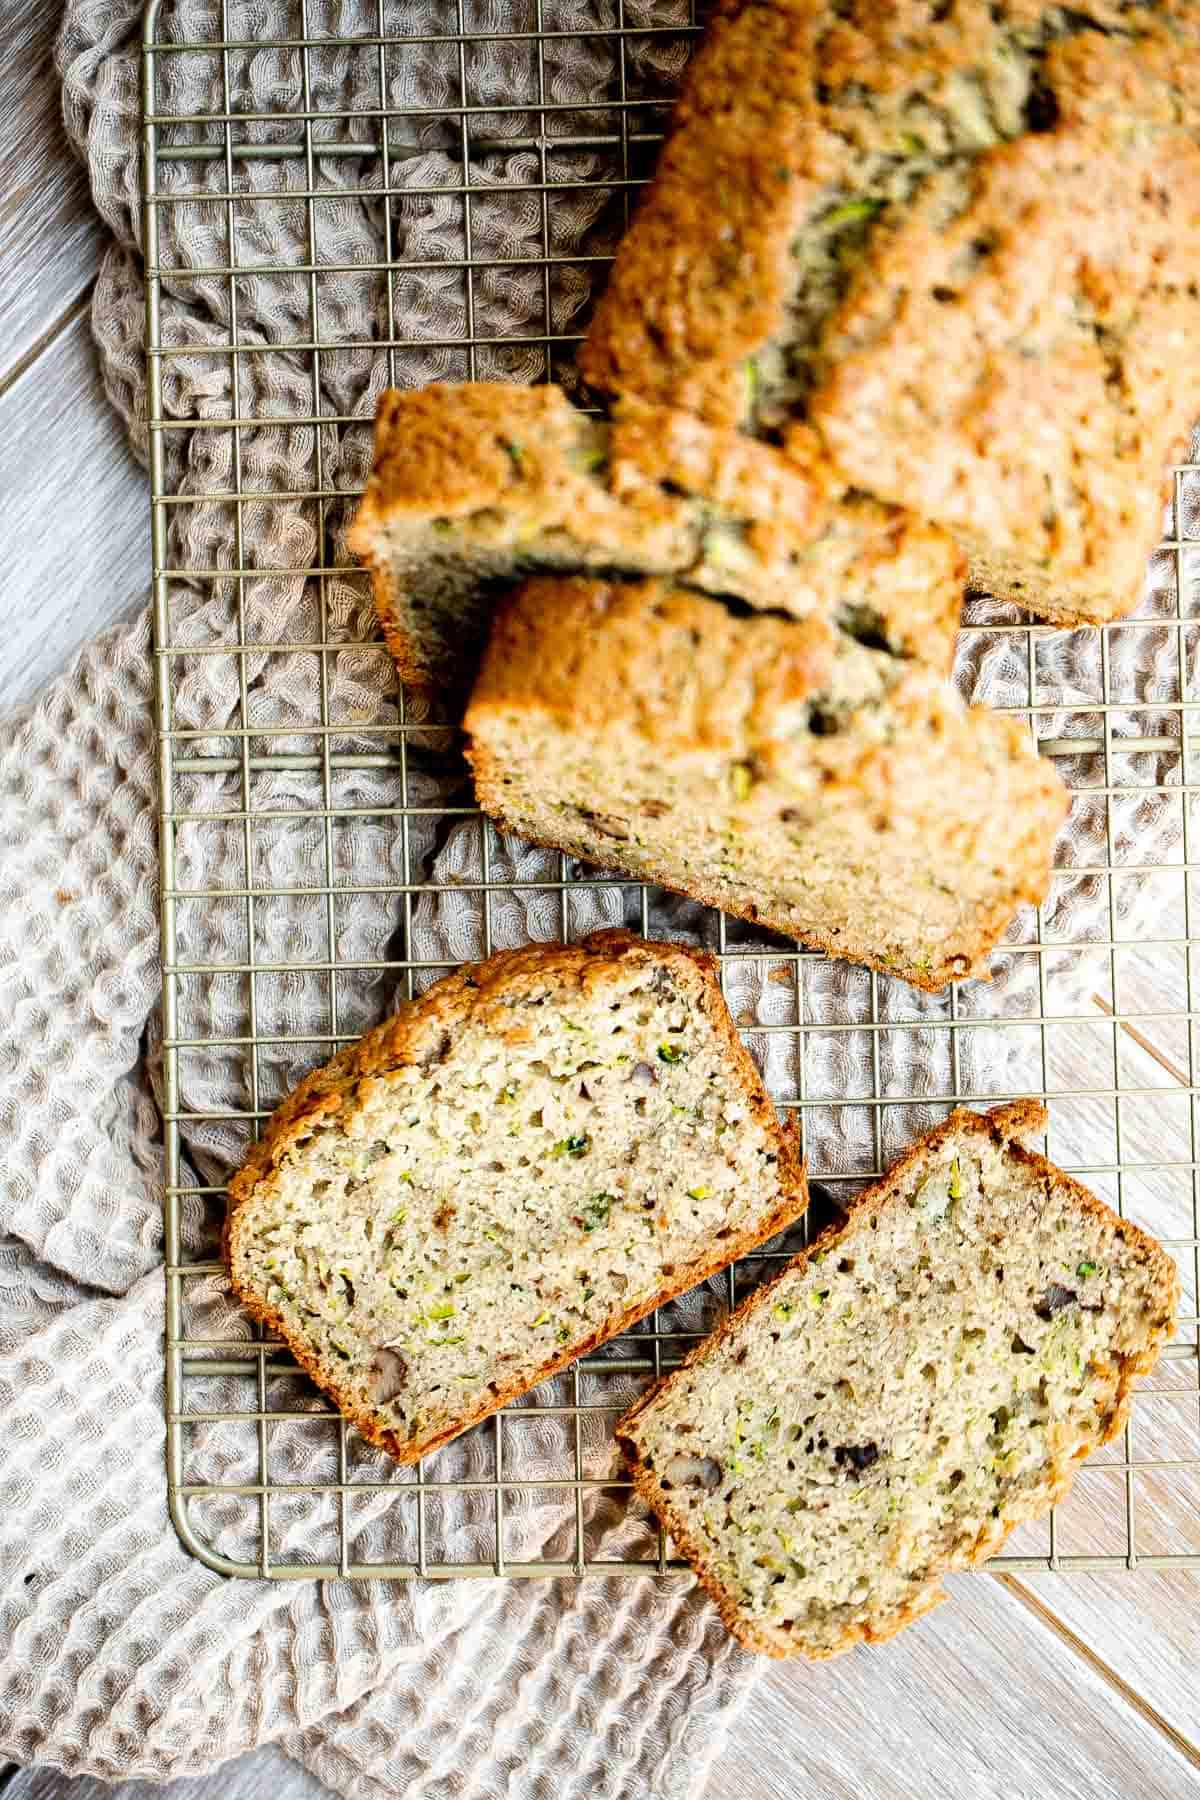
column 1034, row 397
column 474, row 485
column 928, row 1374
column 523, row 1162
column 773, row 768
column 954, row 242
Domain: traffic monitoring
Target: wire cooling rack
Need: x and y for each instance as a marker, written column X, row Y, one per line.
column 1117, row 1061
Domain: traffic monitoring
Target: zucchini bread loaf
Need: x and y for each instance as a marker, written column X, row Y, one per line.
column 473, row 485
column 925, row 1376
column 532, row 1156
column 774, row 768
column 957, row 241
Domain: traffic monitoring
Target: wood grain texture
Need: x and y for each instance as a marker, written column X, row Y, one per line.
column 267, row 1775
column 1144, row 1629
column 49, row 234
column 980, row 1701
column 74, row 528
column 1143, row 1625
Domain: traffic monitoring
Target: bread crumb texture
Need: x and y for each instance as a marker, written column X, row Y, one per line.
column 532, row 1156
column 923, row 1378
column 780, row 770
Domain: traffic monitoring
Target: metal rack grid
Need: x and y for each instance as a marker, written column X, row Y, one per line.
column 1142, row 1152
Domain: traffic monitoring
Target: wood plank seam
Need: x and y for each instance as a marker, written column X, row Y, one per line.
column 1081, row 1648
column 51, row 234
column 45, row 341
column 1143, row 1043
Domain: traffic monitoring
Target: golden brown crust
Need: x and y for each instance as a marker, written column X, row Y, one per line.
column 1005, row 1125
column 1030, row 398
column 450, row 453
column 411, row 665
column 1043, row 450
column 451, row 449
column 1099, row 78
column 782, row 107
column 665, row 445
column 681, row 673
column 686, row 304
column 400, row 1040
column 678, row 668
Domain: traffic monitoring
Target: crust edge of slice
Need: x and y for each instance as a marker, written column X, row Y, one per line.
column 1005, row 1125
column 328, row 1088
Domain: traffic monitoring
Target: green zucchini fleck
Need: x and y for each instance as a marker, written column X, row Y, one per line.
column 741, row 781
column 596, row 1211
column 851, row 212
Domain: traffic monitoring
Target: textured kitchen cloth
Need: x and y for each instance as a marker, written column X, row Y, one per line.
column 122, row 1655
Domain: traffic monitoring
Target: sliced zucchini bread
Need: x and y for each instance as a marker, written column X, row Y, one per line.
column 956, row 241
column 474, row 485
column 928, row 1374
column 774, row 768
column 530, row 1157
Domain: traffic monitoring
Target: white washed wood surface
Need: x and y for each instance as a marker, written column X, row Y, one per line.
column 75, row 529
column 1043, row 1686
column 49, row 232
